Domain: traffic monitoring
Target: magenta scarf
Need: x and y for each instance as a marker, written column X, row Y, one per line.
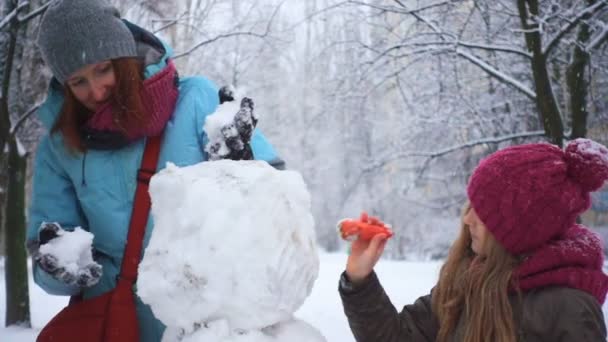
column 574, row 260
column 160, row 96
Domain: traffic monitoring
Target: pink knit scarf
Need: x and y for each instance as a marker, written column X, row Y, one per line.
column 575, row 260
column 160, row 94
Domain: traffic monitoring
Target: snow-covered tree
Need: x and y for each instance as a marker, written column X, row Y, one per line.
column 16, row 137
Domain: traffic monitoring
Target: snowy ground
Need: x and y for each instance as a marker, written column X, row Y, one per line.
column 404, row 282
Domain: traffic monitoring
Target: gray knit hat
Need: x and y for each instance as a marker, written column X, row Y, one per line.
column 75, row 33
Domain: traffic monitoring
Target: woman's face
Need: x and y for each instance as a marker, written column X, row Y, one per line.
column 477, row 229
column 92, row 84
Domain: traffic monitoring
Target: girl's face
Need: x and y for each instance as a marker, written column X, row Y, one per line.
column 477, row 229
column 92, row 84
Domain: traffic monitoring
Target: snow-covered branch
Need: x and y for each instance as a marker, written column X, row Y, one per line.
column 219, row 37
column 11, row 16
column 234, row 34
column 599, row 38
column 314, row 14
column 498, row 74
column 501, row 48
column 169, row 22
column 8, row 18
column 434, row 154
column 34, row 13
column 584, row 14
column 429, row 48
column 379, row 163
column 427, row 22
column 15, row 127
column 471, row 45
column 394, row 9
column 13, row 130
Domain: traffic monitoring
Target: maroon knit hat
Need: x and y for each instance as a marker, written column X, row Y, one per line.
column 529, row 194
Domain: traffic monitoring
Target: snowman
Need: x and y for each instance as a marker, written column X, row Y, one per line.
column 232, row 254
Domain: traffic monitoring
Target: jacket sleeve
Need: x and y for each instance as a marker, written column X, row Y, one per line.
column 372, row 316
column 579, row 318
column 263, row 150
column 53, row 200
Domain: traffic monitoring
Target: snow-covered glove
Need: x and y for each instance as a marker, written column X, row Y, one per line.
column 67, row 255
column 238, row 133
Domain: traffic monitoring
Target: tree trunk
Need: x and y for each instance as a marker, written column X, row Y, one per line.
column 545, row 99
column 17, row 297
column 8, row 48
column 577, row 82
column 5, row 120
column 4, row 44
column 3, row 183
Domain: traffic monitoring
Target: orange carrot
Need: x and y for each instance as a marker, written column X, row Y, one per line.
column 365, row 228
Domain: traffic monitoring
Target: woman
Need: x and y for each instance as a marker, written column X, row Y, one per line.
column 113, row 85
column 521, row 269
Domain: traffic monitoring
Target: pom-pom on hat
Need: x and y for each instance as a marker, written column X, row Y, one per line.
column 529, row 194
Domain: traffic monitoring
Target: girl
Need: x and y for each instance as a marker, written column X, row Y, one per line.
column 522, row 269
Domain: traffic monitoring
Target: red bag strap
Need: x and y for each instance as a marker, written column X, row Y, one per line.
column 141, row 209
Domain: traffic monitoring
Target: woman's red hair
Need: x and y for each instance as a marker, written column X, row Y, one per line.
column 128, row 105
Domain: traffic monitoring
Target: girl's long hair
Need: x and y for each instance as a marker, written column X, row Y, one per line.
column 473, row 289
column 127, row 103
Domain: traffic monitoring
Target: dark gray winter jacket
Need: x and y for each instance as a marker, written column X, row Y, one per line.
column 551, row 314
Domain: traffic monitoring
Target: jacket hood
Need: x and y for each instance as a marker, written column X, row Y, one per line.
column 154, row 52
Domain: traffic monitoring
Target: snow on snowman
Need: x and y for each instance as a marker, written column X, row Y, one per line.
column 233, row 254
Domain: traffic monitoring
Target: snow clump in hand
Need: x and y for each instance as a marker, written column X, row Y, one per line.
column 67, row 255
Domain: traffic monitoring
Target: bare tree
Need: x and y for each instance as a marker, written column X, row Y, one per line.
column 557, row 35
column 444, row 83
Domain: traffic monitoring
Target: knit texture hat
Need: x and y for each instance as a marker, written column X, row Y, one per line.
column 75, row 33
column 527, row 195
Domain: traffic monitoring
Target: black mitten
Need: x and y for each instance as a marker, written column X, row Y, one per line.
column 238, row 133
column 48, row 231
column 226, row 94
column 244, row 119
column 84, row 273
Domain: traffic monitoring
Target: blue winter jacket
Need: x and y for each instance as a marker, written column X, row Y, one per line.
column 95, row 190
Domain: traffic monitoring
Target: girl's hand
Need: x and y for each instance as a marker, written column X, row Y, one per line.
column 363, row 257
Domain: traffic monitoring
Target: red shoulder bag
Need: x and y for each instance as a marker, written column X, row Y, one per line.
column 112, row 316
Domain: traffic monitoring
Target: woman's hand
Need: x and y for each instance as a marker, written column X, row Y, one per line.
column 363, row 257
column 66, row 255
